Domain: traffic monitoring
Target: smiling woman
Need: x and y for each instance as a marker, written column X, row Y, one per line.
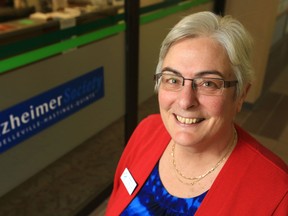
column 192, row 158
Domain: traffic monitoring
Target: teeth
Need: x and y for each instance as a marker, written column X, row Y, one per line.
column 187, row 120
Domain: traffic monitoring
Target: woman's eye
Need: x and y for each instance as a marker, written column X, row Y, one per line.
column 173, row 81
column 210, row 84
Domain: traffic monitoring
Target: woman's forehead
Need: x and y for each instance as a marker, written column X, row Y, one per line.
column 196, row 56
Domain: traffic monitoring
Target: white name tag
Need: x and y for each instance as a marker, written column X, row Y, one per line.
column 128, row 181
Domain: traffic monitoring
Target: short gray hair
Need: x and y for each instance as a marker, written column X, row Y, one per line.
column 227, row 31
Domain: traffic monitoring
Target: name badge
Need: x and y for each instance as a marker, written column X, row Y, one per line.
column 128, row 181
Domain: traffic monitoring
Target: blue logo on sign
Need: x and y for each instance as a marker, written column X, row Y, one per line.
column 28, row 118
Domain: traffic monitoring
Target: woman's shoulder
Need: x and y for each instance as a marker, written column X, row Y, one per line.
column 149, row 131
column 152, row 125
column 262, row 156
column 251, row 171
column 153, row 119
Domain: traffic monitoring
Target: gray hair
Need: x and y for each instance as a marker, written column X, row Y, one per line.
column 226, row 30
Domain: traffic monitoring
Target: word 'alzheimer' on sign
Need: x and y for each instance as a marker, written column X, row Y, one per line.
column 29, row 117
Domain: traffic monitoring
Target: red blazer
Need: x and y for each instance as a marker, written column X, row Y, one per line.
column 253, row 181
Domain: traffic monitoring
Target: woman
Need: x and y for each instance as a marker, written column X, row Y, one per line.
column 192, row 158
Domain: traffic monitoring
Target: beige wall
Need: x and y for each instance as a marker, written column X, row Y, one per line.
column 258, row 16
column 144, row 3
column 31, row 156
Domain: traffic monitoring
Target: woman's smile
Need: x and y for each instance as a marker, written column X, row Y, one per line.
column 188, row 121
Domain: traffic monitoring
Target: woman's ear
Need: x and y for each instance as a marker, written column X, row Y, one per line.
column 242, row 97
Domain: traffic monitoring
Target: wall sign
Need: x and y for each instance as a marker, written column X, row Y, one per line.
column 29, row 117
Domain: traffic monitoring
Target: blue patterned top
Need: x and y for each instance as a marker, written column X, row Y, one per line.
column 154, row 199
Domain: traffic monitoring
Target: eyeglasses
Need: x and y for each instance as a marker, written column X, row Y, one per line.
column 205, row 86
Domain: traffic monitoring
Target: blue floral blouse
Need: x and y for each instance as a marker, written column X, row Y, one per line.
column 154, row 199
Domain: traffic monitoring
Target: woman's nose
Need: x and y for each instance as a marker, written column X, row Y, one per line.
column 188, row 97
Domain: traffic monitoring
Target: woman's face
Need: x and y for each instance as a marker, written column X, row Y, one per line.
column 189, row 117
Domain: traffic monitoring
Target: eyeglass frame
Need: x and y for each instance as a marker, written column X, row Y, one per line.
column 226, row 83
